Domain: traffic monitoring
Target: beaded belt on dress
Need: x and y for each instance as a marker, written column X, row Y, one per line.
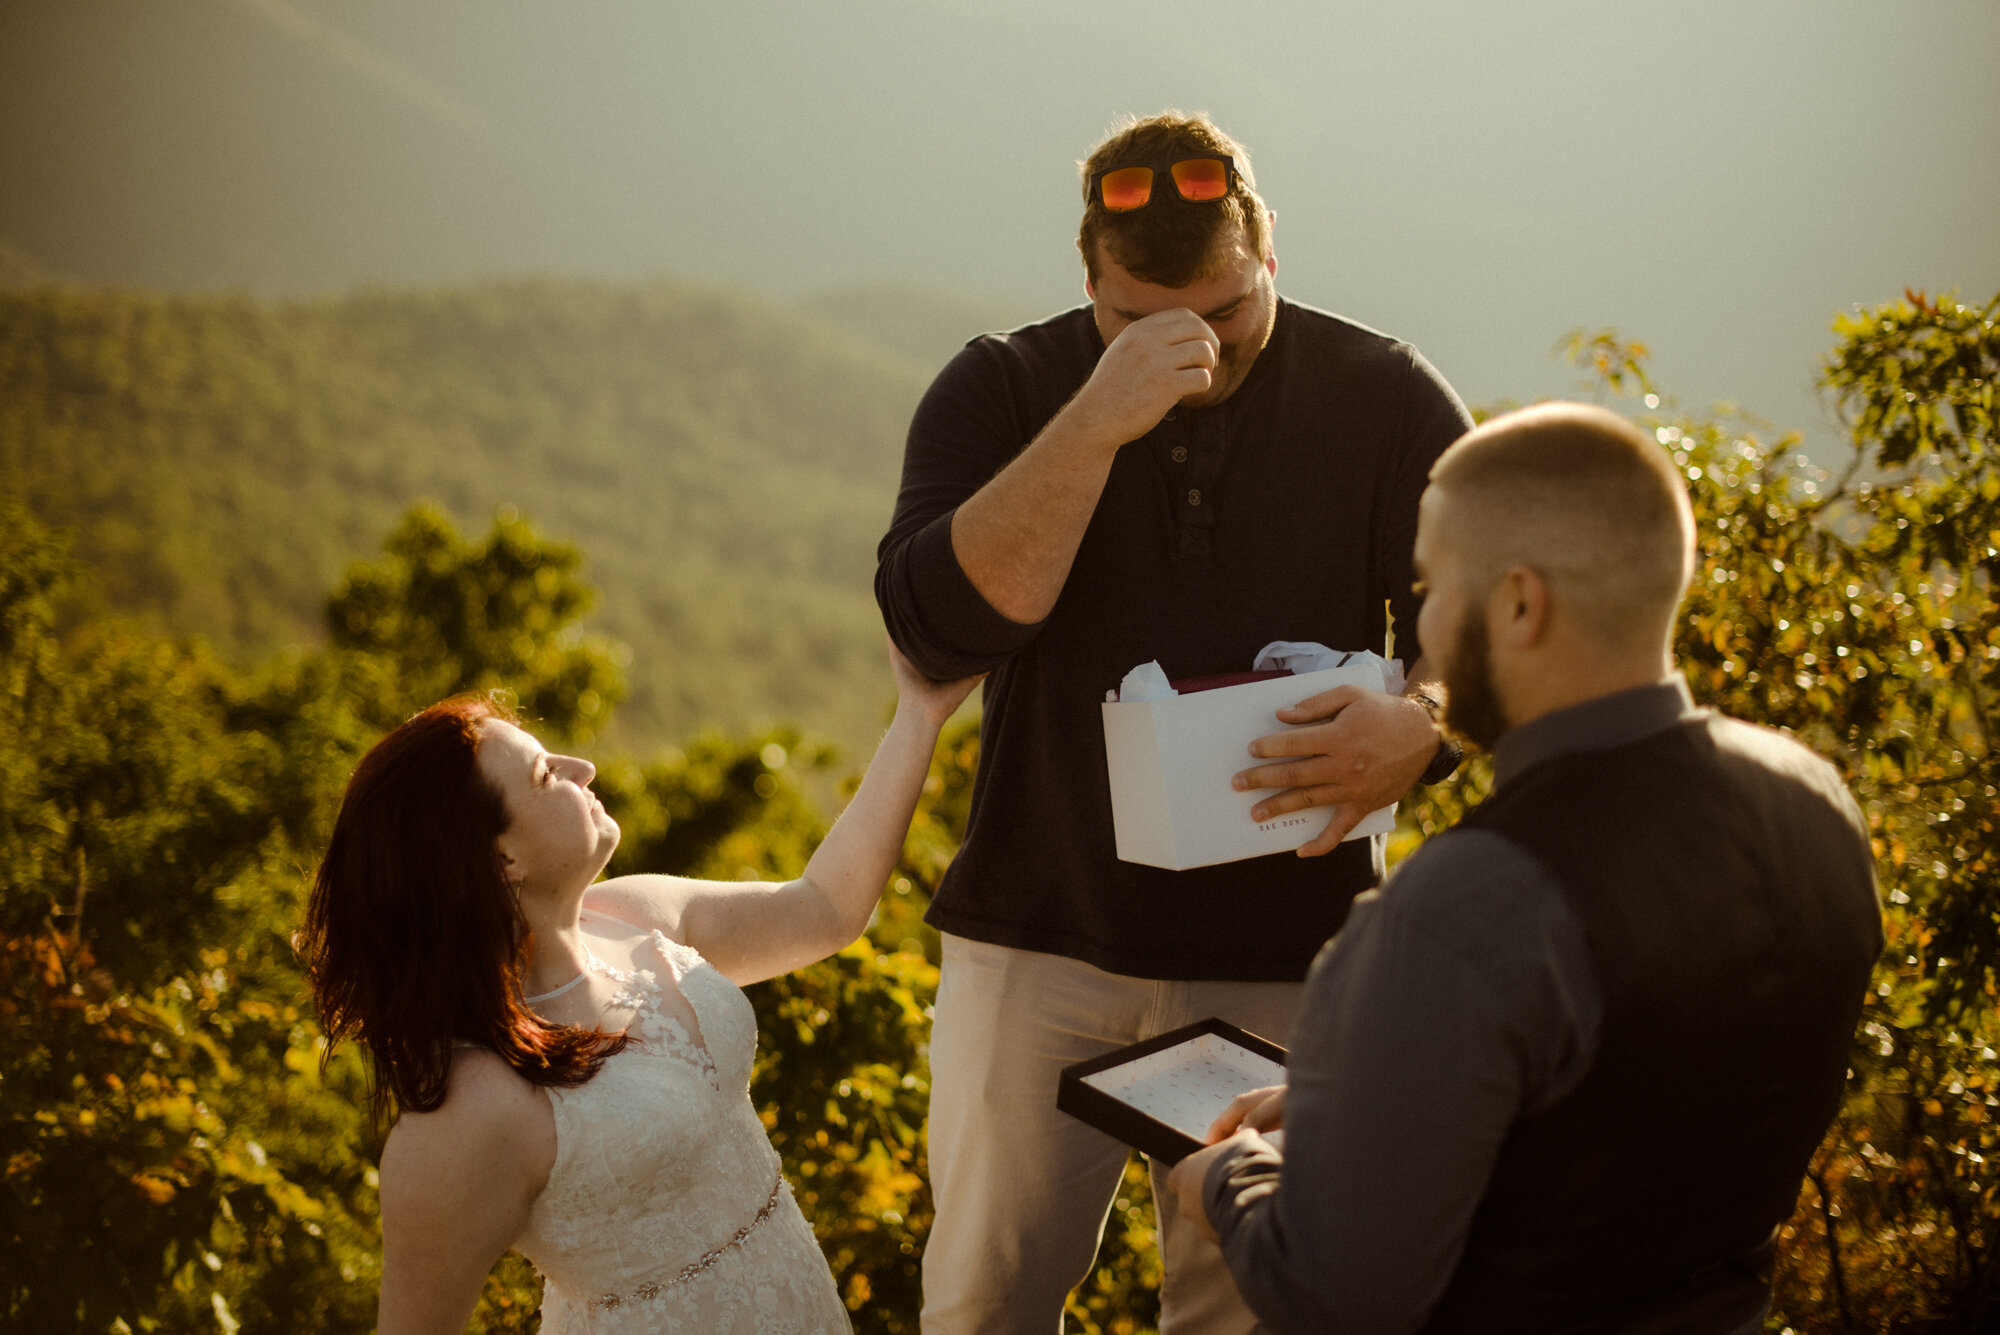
column 655, row 1288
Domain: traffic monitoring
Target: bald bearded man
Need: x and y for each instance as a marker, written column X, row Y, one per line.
column 1564, row 1071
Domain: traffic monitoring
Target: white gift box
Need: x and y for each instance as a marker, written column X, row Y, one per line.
column 1171, row 761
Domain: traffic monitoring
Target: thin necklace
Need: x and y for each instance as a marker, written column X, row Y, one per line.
column 540, row 997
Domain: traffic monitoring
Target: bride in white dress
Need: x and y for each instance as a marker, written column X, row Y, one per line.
column 570, row 1058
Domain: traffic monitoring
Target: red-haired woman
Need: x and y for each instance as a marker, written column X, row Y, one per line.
column 570, row 1057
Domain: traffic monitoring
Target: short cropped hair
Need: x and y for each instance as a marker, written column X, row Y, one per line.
column 1585, row 498
column 1172, row 242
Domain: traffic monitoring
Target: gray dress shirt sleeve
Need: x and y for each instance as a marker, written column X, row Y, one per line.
column 1457, row 998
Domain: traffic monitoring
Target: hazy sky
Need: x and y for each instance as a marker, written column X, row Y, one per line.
column 1716, row 178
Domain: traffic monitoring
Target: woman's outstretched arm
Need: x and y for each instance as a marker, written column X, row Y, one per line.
column 752, row 930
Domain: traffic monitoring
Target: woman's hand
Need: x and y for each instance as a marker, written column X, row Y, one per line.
column 934, row 701
column 751, row 930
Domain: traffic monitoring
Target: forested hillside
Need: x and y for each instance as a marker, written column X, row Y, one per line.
column 173, row 1153
column 727, row 465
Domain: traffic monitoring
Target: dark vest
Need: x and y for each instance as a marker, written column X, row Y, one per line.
column 1724, row 883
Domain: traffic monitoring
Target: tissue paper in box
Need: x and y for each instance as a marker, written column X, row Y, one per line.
column 1171, row 761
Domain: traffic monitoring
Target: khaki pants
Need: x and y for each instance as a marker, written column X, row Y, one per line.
column 1022, row 1190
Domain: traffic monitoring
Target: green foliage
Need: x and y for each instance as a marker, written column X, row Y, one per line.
column 1917, row 378
column 721, row 808
column 442, row 617
column 842, row 1090
column 174, row 1157
column 840, row 1080
column 1612, row 362
column 1121, row 1294
column 1908, row 1224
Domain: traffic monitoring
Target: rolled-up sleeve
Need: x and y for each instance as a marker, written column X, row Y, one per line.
column 965, row 430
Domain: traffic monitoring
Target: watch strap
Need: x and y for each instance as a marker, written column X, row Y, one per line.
column 1450, row 754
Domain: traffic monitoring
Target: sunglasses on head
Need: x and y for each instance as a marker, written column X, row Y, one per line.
column 1198, row 180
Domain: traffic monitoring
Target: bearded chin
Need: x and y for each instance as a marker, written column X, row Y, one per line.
column 1472, row 705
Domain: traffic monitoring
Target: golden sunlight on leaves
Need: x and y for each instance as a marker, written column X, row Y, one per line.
column 180, row 1108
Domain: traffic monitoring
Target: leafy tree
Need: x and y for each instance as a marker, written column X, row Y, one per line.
column 1908, row 1225
column 438, row 616
column 142, row 995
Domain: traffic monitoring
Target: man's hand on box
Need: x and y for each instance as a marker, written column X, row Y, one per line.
column 1150, row 366
column 1361, row 751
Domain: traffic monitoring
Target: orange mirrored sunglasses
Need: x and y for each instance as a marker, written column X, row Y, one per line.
column 1198, row 180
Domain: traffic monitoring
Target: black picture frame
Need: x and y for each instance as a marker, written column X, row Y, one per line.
column 1121, row 1120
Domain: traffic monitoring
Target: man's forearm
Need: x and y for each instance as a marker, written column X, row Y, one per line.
column 1447, row 1004
column 1239, row 1197
column 1017, row 536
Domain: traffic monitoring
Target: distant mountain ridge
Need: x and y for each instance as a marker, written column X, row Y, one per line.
column 20, row 269
column 726, row 464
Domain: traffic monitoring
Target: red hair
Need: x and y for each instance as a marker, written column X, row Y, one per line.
column 412, row 938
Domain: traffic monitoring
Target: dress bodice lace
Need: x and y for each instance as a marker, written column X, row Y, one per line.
column 665, row 1210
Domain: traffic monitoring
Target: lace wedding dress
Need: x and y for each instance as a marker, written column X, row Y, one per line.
column 665, row 1211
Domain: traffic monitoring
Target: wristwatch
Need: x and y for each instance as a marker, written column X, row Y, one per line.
column 1449, row 753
